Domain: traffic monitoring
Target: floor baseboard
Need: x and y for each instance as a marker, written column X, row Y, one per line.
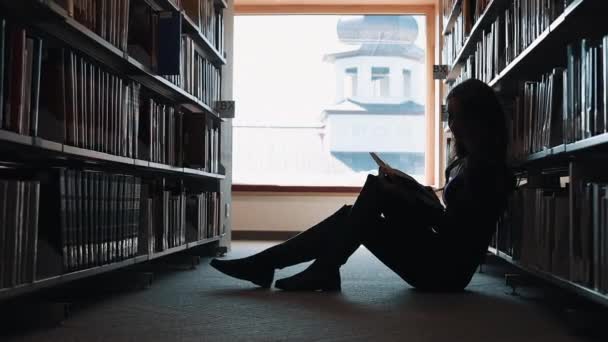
column 264, row 235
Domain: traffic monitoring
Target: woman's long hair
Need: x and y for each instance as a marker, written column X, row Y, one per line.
column 479, row 109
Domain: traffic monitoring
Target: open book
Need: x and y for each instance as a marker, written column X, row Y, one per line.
column 411, row 186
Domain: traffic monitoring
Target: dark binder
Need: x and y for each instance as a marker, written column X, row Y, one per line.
column 169, row 38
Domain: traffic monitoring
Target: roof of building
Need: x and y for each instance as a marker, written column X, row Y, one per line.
column 350, row 106
column 380, row 49
column 375, row 28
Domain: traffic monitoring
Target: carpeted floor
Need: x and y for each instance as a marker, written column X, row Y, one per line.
column 375, row 305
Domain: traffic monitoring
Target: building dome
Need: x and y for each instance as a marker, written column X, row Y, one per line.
column 375, row 28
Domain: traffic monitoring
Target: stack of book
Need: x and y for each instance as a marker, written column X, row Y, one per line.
column 199, row 76
column 585, row 89
column 454, row 41
column 209, row 20
column 537, row 116
column 201, row 144
column 596, row 198
column 163, row 219
column 564, row 234
column 525, row 20
column 108, row 18
column 539, row 230
column 19, row 204
column 96, row 215
column 161, row 133
column 509, row 35
column 86, row 106
column 20, row 56
column 202, row 216
column 567, row 105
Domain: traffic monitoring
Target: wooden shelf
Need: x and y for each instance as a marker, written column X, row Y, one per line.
column 488, row 16
column 588, row 143
column 456, row 9
column 165, row 88
column 162, row 5
column 579, row 289
column 203, row 173
column 157, row 255
column 204, row 241
column 189, row 27
column 64, row 278
column 71, row 152
column 567, row 149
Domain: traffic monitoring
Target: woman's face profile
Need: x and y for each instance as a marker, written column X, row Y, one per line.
column 453, row 120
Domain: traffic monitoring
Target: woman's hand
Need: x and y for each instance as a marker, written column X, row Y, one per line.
column 387, row 173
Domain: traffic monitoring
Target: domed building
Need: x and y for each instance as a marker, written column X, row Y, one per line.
column 380, row 91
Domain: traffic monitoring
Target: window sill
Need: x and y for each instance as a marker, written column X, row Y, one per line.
column 301, row 189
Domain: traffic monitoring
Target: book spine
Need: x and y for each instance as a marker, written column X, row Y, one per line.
column 3, row 51
column 35, row 86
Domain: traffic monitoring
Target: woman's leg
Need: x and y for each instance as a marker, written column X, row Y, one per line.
column 388, row 227
column 309, row 244
column 259, row 268
column 331, row 242
column 340, row 243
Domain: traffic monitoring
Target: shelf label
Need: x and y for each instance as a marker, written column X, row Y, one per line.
column 225, row 109
column 440, row 72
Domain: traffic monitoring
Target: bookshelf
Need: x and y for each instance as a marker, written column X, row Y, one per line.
column 71, row 276
column 112, row 151
column 550, row 73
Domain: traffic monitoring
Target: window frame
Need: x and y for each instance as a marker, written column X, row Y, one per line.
column 428, row 11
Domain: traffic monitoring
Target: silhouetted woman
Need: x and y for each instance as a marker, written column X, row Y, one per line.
column 431, row 248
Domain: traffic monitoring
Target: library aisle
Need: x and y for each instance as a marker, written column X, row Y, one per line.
column 375, row 305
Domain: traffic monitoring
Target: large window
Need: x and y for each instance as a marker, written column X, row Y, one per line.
column 316, row 93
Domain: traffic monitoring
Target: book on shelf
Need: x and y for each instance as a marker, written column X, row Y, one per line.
column 107, row 18
column 535, row 229
column 71, row 216
column 91, row 218
column 20, row 57
column 201, row 143
column 19, row 206
column 566, row 105
column 51, row 91
column 84, row 105
column 537, row 115
column 561, row 229
column 513, row 29
column 198, row 76
column 160, row 127
column 208, row 19
column 173, row 216
column 585, row 90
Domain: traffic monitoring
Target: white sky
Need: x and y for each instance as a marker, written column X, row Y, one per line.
column 279, row 73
